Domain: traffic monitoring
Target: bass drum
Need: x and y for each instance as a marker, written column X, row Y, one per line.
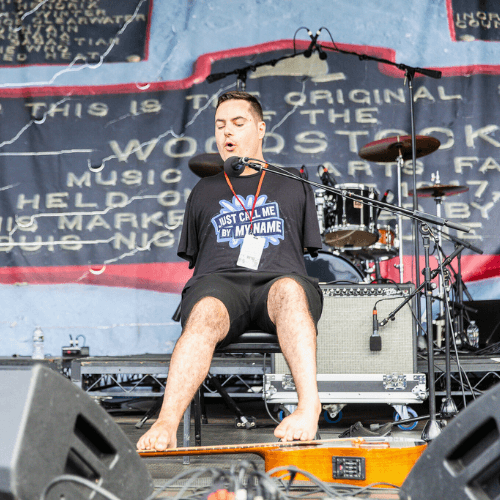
column 330, row 268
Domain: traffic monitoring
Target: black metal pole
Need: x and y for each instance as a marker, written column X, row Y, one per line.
column 415, row 223
column 432, row 428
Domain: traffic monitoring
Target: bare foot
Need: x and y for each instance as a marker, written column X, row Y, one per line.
column 160, row 437
column 301, row 425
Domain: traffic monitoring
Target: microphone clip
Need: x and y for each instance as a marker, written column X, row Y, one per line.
column 375, row 338
column 314, row 45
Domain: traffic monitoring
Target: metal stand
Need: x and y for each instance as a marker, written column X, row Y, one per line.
column 400, row 218
column 432, row 428
column 448, row 406
column 409, row 75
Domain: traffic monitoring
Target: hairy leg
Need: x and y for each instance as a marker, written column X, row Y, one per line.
column 288, row 309
column 207, row 324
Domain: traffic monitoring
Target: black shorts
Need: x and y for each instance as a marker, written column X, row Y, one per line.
column 245, row 296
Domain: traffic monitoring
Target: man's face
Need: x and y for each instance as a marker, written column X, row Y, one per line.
column 238, row 132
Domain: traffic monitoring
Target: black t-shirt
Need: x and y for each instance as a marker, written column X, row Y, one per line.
column 215, row 224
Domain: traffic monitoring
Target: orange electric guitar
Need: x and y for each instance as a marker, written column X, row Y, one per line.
column 356, row 461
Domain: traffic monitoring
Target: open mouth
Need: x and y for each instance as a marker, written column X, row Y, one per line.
column 229, row 146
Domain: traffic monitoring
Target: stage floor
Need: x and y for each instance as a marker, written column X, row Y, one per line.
column 221, row 430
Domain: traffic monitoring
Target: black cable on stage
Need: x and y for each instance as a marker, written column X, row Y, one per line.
column 76, row 479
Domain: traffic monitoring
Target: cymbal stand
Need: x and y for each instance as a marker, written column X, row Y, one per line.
column 448, row 406
column 400, row 216
column 432, row 428
column 440, row 323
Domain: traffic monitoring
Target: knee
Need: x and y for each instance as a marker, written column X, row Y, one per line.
column 285, row 289
column 286, row 297
column 209, row 314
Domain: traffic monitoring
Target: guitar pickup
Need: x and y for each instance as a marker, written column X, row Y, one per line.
column 349, row 468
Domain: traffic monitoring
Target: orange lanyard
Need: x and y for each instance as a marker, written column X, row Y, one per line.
column 263, row 173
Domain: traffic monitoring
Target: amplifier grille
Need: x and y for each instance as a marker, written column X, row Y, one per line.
column 346, row 325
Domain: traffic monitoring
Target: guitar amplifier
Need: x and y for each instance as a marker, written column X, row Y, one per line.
column 346, row 325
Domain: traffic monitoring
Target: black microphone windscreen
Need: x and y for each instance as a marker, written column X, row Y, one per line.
column 233, row 166
column 376, row 343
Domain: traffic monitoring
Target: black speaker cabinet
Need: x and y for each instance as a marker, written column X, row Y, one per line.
column 463, row 462
column 50, row 428
column 346, row 325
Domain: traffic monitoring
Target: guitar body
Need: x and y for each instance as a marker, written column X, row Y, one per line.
column 370, row 461
column 354, row 461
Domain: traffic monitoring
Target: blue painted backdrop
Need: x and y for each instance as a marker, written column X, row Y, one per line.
column 123, row 318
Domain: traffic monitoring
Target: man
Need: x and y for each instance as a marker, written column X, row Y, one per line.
column 232, row 289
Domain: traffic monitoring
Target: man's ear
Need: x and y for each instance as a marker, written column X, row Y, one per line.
column 262, row 130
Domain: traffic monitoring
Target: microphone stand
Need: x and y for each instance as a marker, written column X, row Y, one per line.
column 432, row 428
column 344, row 193
column 448, row 407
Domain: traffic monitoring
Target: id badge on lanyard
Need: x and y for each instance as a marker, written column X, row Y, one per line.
column 253, row 246
column 251, row 251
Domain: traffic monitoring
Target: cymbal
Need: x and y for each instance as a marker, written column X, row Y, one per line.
column 206, row 164
column 439, row 190
column 388, row 150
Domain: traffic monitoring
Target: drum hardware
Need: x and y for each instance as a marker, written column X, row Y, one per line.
column 319, row 200
column 386, row 246
column 391, row 148
column 326, row 177
column 437, row 191
column 331, row 268
column 347, row 221
column 444, row 321
column 398, row 149
column 206, row 164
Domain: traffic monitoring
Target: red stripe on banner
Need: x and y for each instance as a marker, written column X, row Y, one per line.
column 474, row 268
column 148, row 31
column 203, row 67
column 172, row 276
column 480, row 267
column 451, row 24
column 161, row 277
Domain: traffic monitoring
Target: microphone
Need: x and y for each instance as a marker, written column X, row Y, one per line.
column 308, row 52
column 234, row 166
column 303, row 172
column 375, row 339
column 326, row 178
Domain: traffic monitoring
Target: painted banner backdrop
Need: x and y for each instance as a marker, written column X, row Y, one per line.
column 63, row 32
column 97, row 179
column 474, row 20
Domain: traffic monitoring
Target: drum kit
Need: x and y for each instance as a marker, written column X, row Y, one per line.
column 357, row 241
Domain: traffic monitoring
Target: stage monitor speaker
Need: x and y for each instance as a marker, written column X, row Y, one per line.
column 54, row 437
column 346, row 325
column 463, row 462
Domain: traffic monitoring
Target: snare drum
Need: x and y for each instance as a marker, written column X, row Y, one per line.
column 387, row 244
column 329, row 268
column 348, row 222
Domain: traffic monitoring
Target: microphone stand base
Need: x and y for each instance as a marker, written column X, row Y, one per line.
column 431, row 430
column 448, row 408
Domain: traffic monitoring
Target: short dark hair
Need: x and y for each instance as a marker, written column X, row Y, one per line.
column 243, row 96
